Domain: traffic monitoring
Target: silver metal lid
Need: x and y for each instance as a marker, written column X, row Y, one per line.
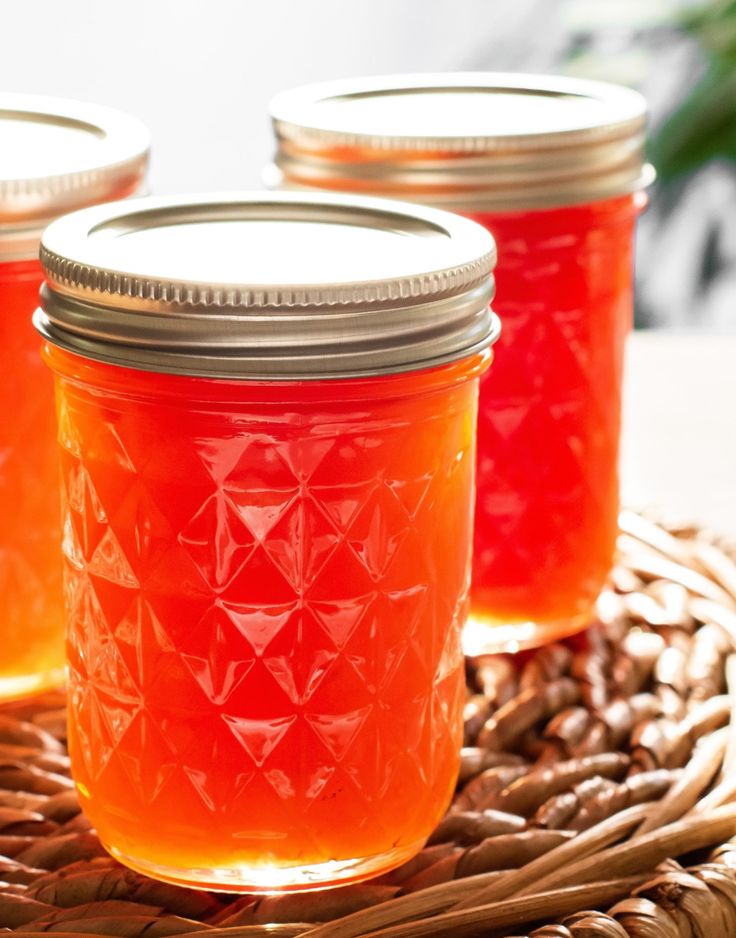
column 264, row 285
column 465, row 140
column 57, row 156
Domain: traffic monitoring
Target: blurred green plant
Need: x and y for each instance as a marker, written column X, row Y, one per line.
column 703, row 127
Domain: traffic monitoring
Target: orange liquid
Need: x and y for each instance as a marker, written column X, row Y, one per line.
column 549, row 422
column 266, row 584
column 31, row 615
column 549, row 413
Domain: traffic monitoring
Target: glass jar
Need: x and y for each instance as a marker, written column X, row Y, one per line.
column 554, row 168
column 267, row 412
column 55, row 156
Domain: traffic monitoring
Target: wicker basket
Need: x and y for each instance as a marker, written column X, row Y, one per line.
column 597, row 793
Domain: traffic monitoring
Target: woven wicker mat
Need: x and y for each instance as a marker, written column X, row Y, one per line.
column 597, row 794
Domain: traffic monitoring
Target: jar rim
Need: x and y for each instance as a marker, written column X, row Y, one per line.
column 133, row 383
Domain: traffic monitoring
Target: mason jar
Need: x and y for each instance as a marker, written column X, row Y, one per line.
column 267, row 412
column 554, row 167
column 55, row 156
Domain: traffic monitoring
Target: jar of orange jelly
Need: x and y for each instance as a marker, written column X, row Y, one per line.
column 554, row 168
column 54, row 156
column 267, row 411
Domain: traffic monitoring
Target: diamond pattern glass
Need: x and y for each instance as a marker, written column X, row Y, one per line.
column 548, row 422
column 265, row 588
column 31, row 614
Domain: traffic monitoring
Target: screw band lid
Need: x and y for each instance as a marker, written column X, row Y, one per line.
column 57, row 156
column 465, row 140
column 261, row 285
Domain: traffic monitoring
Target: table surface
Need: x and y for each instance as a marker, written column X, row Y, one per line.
column 679, row 439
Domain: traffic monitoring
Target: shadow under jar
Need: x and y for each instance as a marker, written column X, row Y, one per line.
column 267, row 413
column 553, row 167
column 55, row 156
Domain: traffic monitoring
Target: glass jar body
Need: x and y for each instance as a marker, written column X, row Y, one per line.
column 549, row 413
column 31, row 606
column 266, row 584
column 549, row 421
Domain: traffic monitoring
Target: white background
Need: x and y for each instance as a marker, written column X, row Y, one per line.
column 201, row 72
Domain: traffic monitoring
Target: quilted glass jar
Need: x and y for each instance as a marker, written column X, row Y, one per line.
column 54, row 156
column 267, row 412
column 553, row 167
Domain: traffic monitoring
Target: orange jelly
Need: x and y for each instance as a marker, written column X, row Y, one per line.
column 553, row 167
column 265, row 589
column 549, row 421
column 267, row 571
column 31, row 615
column 54, row 156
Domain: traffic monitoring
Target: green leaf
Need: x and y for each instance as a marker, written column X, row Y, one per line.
column 702, row 129
column 713, row 25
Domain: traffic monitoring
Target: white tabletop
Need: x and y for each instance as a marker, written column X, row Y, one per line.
column 679, row 438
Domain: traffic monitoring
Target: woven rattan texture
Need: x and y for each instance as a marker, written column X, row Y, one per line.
column 597, row 794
